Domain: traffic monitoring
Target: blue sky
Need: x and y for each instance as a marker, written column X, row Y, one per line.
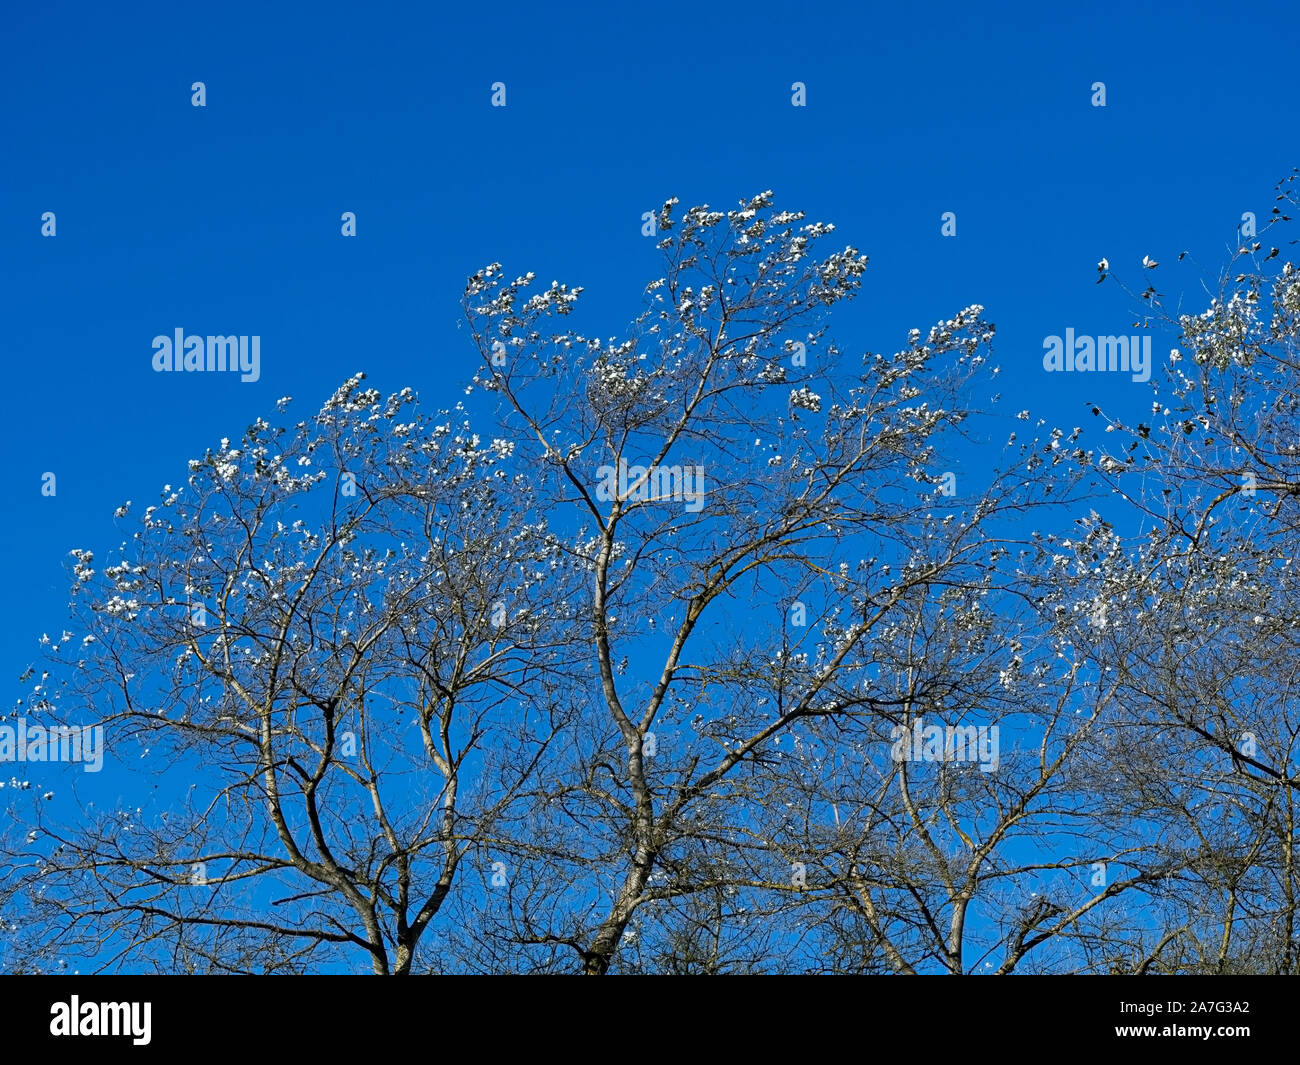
column 226, row 218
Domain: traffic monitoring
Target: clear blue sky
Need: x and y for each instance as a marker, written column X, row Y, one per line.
column 226, row 218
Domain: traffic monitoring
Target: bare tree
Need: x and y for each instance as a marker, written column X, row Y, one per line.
column 728, row 652
column 832, row 587
column 1210, row 671
column 329, row 632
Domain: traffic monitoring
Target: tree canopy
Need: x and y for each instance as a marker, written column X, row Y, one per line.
column 710, row 648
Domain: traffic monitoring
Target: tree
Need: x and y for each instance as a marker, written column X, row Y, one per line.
column 327, row 630
column 1215, row 476
column 728, row 653
column 755, row 716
